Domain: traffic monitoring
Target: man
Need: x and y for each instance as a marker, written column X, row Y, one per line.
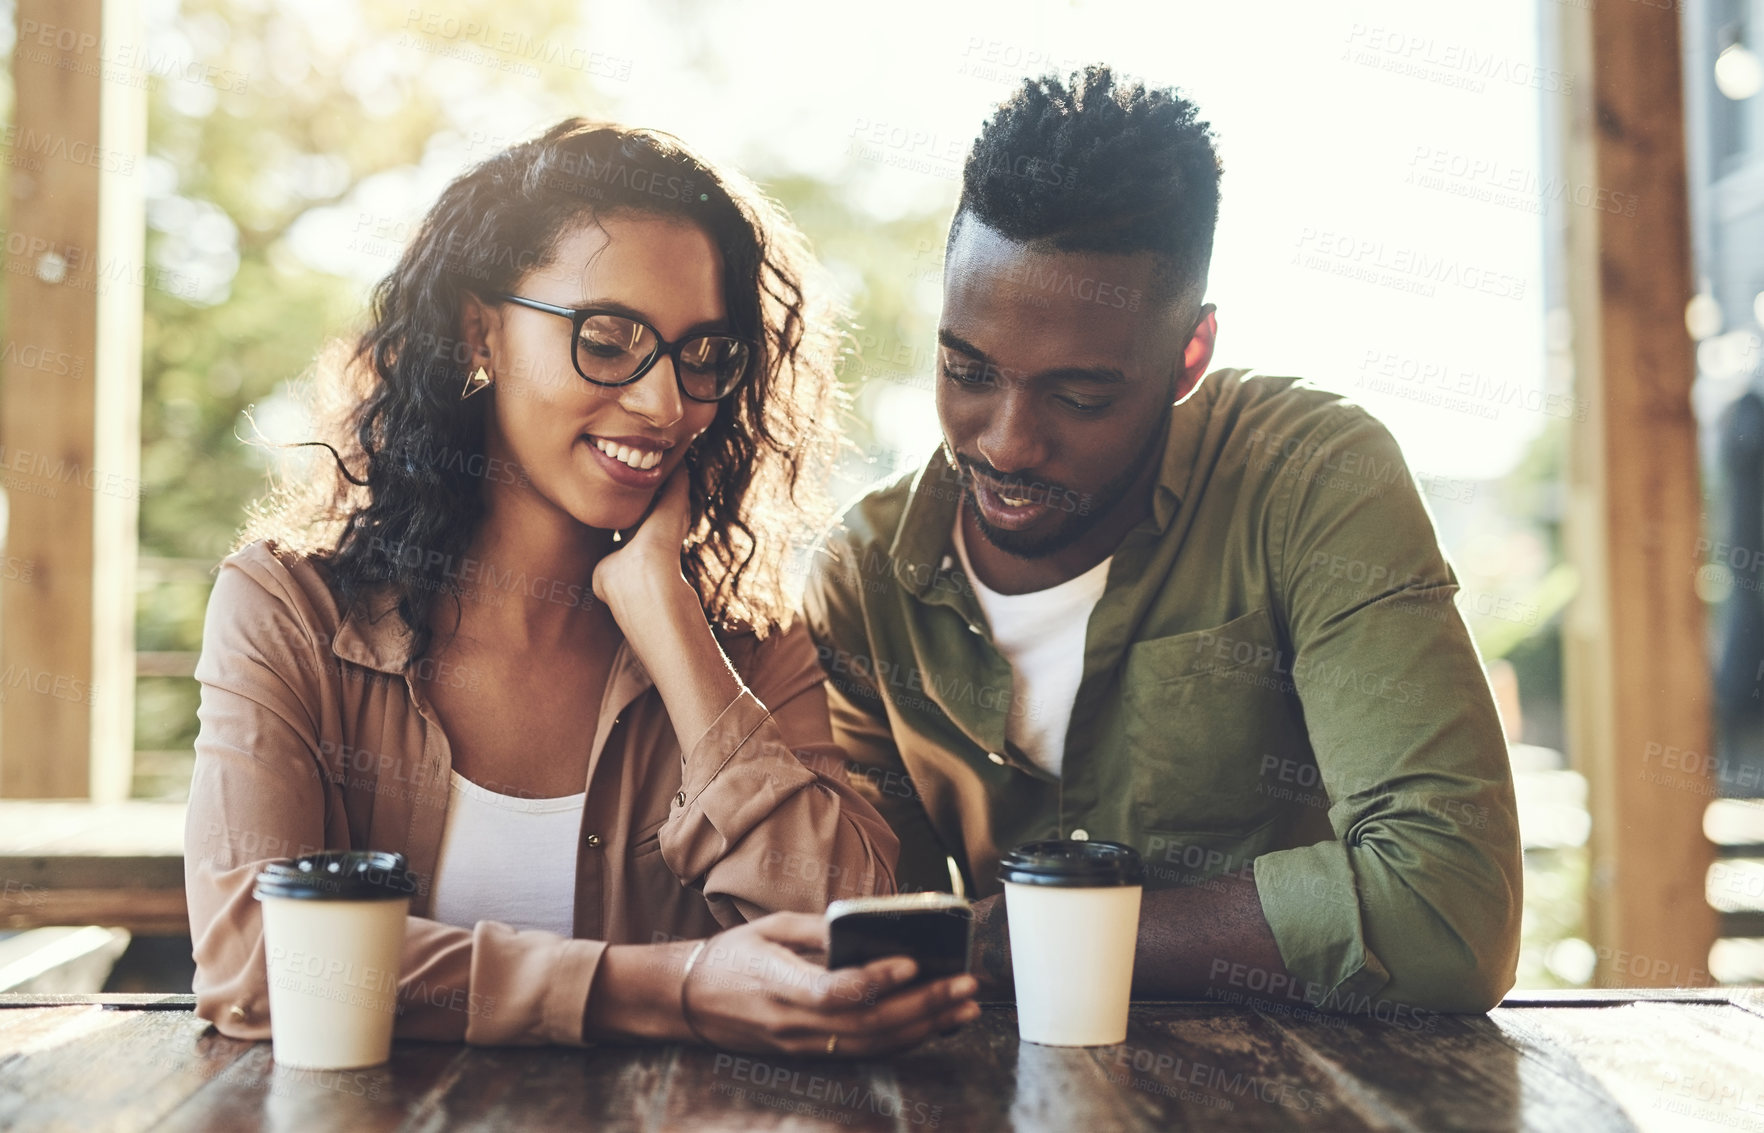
column 1204, row 615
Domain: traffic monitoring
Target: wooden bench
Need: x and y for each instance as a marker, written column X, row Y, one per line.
column 119, row 865
column 59, row 959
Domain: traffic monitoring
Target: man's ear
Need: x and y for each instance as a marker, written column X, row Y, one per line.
column 479, row 326
column 1198, row 354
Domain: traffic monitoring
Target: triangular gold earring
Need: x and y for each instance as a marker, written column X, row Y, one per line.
column 478, row 380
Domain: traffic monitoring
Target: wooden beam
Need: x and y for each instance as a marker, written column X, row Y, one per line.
column 1638, row 682
column 70, row 390
column 159, row 911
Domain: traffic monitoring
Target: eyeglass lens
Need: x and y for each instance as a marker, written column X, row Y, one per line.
column 611, row 348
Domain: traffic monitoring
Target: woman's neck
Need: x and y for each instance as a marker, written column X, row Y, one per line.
column 530, row 571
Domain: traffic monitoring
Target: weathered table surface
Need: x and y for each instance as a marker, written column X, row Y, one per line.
column 1568, row 1061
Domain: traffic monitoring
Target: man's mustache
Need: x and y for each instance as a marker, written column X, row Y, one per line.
column 1008, row 485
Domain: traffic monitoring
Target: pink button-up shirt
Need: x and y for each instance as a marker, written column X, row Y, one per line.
column 314, row 736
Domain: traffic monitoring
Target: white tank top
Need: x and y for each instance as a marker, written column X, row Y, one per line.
column 507, row 858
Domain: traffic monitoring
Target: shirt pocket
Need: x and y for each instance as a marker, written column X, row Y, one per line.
column 646, row 839
column 1205, row 713
column 659, row 907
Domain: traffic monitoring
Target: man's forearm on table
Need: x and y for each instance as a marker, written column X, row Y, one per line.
column 1185, row 936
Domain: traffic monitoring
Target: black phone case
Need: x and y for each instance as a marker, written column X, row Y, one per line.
column 937, row 938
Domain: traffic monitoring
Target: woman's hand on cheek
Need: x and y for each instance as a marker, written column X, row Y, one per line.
column 645, row 570
column 663, row 620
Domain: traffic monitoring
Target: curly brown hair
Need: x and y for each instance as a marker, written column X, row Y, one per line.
column 393, row 400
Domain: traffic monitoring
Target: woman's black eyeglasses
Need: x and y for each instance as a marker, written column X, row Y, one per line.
column 614, row 349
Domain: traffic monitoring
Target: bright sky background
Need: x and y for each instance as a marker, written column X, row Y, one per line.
column 1325, row 112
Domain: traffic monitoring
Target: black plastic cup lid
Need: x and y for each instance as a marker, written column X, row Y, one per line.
column 338, row 875
column 1075, row 865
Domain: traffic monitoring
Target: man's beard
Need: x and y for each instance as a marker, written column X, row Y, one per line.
column 1088, row 512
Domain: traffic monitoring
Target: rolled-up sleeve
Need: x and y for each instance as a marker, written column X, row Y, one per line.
column 1417, row 899
column 260, row 792
column 764, row 821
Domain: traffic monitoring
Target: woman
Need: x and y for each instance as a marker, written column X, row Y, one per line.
column 479, row 640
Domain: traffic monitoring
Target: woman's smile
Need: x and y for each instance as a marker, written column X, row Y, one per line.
column 633, row 462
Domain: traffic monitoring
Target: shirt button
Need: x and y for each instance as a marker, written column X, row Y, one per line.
column 591, row 841
column 680, row 799
column 1080, row 835
column 995, row 757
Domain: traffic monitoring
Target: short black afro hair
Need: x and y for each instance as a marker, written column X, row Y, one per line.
column 1096, row 167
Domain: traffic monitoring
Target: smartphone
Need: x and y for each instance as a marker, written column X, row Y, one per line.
column 935, row 929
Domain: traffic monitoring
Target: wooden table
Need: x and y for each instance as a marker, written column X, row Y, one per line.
column 1571, row 1061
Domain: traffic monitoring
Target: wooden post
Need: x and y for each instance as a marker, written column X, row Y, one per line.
column 1638, row 682
column 70, row 401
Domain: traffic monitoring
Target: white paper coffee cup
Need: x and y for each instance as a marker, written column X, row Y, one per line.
column 1073, row 912
column 333, row 927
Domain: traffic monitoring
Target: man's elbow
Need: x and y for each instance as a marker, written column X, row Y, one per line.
column 1470, row 988
column 1455, row 971
column 1448, row 936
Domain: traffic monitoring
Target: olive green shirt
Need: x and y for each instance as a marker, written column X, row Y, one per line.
column 1276, row 684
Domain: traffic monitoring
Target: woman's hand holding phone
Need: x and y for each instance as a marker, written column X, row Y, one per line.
column 757, row 988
